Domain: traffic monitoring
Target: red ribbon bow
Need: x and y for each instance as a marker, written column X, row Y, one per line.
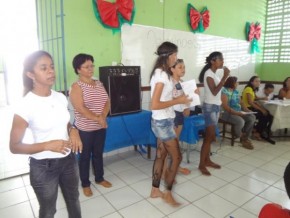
column 196, row 17
column 254, row 31
column 109, row 12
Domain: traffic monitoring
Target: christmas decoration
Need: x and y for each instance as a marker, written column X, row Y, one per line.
column 113, row 15
column 253, row 31
column 198, row 21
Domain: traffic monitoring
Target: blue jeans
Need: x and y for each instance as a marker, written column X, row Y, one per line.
column 243, row 124
column 46, row 175
column 93, row 147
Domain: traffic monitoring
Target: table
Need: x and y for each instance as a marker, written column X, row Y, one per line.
column 280, row 111
column 191, row 129
column 130, row 129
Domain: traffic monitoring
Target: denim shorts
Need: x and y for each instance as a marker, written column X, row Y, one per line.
column 211, row 114
column 163, row 129
column 179, row 118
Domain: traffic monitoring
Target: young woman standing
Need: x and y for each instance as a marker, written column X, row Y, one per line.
column 211, row 105
column 163, row 120
column 53, row 161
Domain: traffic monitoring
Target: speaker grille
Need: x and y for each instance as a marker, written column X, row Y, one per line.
column 124, row 88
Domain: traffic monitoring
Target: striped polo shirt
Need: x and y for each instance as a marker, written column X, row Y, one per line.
column 95, row 98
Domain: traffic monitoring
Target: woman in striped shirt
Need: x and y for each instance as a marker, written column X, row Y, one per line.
column 91, row 106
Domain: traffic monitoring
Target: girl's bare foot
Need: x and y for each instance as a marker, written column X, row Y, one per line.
column 184, row 171
column 213, row 165
column 156, row 193
column 168, row 198
column 204, row 171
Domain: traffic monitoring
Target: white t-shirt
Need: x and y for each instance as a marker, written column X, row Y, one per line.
column 208, row 96
column 47, row 118
column 166, row 95
column 177, row 93
column 261, row 94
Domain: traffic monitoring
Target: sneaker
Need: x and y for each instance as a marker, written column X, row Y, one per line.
column 105, row 183
column 87, row 191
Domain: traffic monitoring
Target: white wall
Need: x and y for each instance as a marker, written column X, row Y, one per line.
column 139, row 43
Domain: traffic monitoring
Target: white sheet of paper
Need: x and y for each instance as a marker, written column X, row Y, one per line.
column 250, row 112
column 189, row 87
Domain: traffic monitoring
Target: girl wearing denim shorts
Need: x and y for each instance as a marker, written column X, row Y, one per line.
column 162, row 122
column 211, row 105
column 181, row 110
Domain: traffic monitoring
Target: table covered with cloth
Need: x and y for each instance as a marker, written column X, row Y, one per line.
column 280, row 110
column 129, row 129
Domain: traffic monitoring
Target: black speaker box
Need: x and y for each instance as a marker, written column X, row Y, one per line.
column 124, row 88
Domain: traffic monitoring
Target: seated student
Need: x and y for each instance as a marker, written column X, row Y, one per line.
column 232, row 105
column 285, row 90
column 272, row 210
column 266, row 93
column 264, row 118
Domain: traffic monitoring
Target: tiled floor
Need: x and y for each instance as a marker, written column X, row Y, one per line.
column 247, row 181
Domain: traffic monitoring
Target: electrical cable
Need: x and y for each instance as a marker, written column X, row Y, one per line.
column 133, row 143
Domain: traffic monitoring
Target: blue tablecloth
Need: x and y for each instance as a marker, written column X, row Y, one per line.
column 129, row 129
column 191, row 128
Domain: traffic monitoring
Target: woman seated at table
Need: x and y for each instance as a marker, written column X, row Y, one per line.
column 284, row 92
column 262, row 128
column 232, row 106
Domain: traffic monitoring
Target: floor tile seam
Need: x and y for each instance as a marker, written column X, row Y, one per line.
column 208, row 189
column 244, row 174
column 260, row 167
column 252, row 192
column 135, row 202
column 264, row 181
column 191, row 202
column 111, row 214
column 263, row 159
column 239, row 206
column 140, row 155
column 31, row 207
column 15, row 176
column 209, row 213
column 156, row 207
column 269, row 172
column 133, row 182
column 229, row 215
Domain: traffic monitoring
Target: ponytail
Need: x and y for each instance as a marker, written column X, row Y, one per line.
column 212, row 57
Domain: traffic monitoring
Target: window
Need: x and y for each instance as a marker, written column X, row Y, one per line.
column 18, row 37
column 277, row 34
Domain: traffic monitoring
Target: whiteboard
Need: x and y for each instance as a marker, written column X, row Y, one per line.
column 139, row 44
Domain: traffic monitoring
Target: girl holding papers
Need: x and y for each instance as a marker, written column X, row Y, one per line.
column 181, row 110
